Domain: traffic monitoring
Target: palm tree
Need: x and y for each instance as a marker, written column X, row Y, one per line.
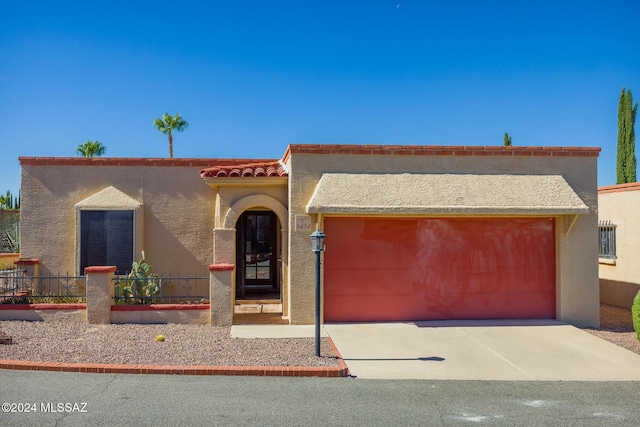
column 91, row 149
column 168, row 124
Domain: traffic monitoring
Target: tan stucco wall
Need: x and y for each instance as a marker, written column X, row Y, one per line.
column 8, row 260
column 35, row 315
column 182, row 224
column 577, row 280
column 620, row 278
column 177, row 222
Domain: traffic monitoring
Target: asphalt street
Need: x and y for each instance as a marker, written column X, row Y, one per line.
column 78, row 399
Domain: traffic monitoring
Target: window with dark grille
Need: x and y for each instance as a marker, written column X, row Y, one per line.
column 106, row 238
column 607, row 233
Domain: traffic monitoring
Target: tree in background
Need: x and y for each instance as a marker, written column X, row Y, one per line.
column 626, row 161
column 168, row 124
column 9, row 223
column 91, row 149
column 9, row 201
column 507, row 140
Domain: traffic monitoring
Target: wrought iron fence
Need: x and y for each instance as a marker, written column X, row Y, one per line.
column 607, row 244
column 17, row 287
column 163, row 289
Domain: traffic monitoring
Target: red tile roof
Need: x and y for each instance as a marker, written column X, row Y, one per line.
column 260, row 169
column 632, row 186
column 440, row 150
column 134, row 161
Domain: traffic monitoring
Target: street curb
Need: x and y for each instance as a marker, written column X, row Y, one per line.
column 263, row 371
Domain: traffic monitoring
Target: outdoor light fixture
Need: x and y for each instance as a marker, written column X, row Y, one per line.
column 317, row 241
column 317, row 246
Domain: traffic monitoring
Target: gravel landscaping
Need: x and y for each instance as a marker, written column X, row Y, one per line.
column 616, row 326
column 184, row 345
column 187, row 345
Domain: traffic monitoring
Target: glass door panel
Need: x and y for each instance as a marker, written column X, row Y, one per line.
column 257, row 245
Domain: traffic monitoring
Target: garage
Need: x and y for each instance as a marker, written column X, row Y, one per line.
column 442, row 246
column 394, row 269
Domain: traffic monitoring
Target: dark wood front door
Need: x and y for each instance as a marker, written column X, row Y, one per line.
column 257, row 254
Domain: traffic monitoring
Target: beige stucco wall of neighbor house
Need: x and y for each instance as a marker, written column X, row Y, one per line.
column 620, row 277
column 178, row 209
column 577, row 281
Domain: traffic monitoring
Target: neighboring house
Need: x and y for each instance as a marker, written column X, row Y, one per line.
column 619, row 243
column 412, row 232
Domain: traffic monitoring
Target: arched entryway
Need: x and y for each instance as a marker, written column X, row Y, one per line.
column 254, row 238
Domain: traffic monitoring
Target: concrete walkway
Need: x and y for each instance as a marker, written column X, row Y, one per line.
column 526, row 350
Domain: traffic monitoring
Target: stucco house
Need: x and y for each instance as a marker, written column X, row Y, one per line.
column 412, row 232
column 619, row 237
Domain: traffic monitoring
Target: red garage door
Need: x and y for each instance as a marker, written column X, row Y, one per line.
column 382, row 269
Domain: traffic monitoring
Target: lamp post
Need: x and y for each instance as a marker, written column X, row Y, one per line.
column 317, row 246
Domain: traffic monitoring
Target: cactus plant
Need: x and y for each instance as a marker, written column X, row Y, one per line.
column 140, row 286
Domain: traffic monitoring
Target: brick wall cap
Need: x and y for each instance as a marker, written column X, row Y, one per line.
column 105, row 269
column 26, row 261
column 221, row 267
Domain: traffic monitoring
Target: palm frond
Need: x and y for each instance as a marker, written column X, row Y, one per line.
column 91, row 149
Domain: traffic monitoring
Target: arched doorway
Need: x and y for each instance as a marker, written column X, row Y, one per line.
column 258, row 256
column 230, row 247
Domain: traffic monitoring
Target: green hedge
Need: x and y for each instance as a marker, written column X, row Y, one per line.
column 635, row 313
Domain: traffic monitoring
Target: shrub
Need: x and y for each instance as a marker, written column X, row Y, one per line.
column 17, row 300
column 50, row 299
column 635, row 314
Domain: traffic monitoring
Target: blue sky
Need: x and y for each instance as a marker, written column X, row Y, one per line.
column 251, row 77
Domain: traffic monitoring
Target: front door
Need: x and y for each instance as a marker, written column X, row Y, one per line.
column 257, row 256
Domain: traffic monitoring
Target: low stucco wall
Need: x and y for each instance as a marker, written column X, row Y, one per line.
column 195, row 314
column 620, row 294
column 70, row 313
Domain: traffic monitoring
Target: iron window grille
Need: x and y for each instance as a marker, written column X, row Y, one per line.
column 607, row 233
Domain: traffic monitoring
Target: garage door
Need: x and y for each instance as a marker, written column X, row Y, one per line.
column 383, row 269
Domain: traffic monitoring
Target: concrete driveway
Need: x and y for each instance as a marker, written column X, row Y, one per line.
column 527, row 350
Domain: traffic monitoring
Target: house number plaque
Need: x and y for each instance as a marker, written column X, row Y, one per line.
column 303, row 223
